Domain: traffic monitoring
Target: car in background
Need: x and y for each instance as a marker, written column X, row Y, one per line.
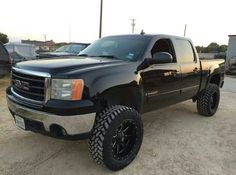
column 5, row 61
column 72, row 49
column 21, row 52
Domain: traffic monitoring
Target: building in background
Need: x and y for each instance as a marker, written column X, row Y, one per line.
column 41, row 46
column 231, row 55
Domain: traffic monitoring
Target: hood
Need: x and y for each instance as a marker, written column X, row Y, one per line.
column 63, row 67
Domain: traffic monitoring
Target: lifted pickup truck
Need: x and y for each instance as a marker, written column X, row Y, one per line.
column 101, row 93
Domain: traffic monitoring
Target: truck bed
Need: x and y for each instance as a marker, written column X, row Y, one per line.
column 209, row 66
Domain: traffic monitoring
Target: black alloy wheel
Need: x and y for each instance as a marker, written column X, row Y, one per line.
column 116, row 137
column 124, row 139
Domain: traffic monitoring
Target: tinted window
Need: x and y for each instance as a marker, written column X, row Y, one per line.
column 65, row 48
column 163, row 45
column 184, row 51
column 77, row 48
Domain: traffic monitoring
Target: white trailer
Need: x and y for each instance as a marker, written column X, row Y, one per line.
column 231, row 55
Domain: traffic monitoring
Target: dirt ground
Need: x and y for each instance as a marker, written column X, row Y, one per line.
column 177, row 141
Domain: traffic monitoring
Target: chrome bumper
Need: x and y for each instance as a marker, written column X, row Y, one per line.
column 73, row 125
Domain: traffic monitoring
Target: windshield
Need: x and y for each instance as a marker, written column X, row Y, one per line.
column 65, row 48
column 128, row 48
column 72, row 48
column 76, row 48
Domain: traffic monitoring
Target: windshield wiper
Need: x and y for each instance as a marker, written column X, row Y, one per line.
column 108, row 56
column 101, row 56
column 82, row 55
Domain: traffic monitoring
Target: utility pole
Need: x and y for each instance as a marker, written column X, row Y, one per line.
column 185, row 29
column 69, row 32
column 133, row 24
column 100, row 26
column 45, row 37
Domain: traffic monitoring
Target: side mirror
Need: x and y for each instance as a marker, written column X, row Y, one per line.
column 162, row 57
column 158, row 58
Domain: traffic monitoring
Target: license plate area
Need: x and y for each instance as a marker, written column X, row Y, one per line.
column 20, row 122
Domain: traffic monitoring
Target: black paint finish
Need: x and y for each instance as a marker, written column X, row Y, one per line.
column 139, row 84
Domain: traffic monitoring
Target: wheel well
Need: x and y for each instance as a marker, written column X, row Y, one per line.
column 129, row 96
column 215, row 79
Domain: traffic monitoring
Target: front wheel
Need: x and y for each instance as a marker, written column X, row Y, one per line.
column 116, row 137
column 208, row 100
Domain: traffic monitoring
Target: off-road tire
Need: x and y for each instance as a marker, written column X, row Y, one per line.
column 101, row 140
column 208, row 100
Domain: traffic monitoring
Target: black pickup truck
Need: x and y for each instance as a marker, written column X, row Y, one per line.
column 101, row 93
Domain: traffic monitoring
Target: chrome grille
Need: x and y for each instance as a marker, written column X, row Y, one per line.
column 29, row 86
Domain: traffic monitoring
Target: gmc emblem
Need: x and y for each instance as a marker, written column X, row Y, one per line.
column 21, row 84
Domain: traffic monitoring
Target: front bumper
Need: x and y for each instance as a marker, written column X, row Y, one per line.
column 71, row 126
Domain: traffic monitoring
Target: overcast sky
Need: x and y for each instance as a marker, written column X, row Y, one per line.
column 207, row 20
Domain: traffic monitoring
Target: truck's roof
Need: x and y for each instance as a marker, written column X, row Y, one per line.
column 150, row 36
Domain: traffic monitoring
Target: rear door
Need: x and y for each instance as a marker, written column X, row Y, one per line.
column 4, row 60
column 190, row 68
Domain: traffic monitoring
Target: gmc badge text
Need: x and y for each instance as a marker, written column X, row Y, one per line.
column 101, row 93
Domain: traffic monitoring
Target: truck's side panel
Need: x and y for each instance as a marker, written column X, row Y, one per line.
column 212, row 72
column 161, row 83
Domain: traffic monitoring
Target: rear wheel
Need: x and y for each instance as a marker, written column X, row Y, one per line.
column 208, row 100
column 116, row 137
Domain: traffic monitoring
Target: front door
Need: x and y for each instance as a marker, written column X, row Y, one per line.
column 161, row 85
column 161, row 82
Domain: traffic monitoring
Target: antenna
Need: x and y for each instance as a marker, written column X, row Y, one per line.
column 142, row 32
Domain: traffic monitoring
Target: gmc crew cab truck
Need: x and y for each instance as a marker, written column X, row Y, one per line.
column 101, row 93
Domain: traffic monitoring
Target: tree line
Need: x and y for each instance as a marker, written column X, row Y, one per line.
column 212, row 48
column 4, row 38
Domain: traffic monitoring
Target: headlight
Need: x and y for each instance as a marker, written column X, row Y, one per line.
column 67, row 89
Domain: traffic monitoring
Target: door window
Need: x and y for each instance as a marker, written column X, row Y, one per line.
column 164, row 45
column 184, row 51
